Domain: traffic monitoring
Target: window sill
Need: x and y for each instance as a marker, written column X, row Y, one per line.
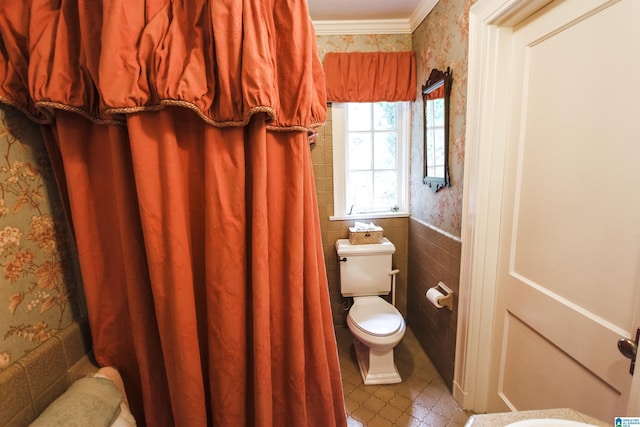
column 371, row 215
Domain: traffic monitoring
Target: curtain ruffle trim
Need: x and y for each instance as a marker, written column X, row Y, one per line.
column 119, row 114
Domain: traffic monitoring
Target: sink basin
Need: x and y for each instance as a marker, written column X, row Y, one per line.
column 549, row 422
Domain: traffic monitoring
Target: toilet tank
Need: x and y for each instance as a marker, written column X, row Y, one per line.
column 364, row 269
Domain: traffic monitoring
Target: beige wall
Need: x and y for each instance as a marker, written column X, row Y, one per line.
column 439, row 42
column 434, row 246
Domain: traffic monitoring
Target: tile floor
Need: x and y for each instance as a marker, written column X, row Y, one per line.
column 421, row 400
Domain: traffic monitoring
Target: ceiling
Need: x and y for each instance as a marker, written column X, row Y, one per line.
column 340, row 10
column 368, row 16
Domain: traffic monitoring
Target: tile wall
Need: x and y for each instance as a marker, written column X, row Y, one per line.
column 434, row 256
column 43, row 374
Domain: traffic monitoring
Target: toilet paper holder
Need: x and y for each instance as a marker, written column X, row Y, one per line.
column 441, row 296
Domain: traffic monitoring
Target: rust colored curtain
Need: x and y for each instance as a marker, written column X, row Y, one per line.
column 180, row 129
column 370, row 76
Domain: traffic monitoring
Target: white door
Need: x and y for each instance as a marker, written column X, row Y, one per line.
column 568, row 273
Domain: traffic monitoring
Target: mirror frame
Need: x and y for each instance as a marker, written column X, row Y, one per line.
column 436, row 79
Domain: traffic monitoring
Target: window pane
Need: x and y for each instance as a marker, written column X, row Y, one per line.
column 431, row 156
column 384, row 116
column 386, row 148
column 438, row 112
column 439, row 151
column 429, row 113
column 359, row 116
column 360, row 189
column 385, row 189
column 374, row 149
column 360, row 151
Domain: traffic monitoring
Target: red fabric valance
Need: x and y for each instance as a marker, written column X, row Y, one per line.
column 436, row 93
column 370, row 76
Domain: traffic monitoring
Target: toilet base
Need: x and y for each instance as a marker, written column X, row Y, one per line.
column 376, row 367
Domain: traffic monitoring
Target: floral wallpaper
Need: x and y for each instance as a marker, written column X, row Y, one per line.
column 363, row 43
column 441, row 41
column 39, row 294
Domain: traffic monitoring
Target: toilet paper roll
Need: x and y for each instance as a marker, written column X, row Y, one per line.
column 434, row 296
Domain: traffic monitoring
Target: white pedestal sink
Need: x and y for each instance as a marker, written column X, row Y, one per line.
column 548, row 422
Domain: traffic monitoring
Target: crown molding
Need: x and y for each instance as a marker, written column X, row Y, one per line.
column 365, row 26
column 377, row 26
column 422, row 10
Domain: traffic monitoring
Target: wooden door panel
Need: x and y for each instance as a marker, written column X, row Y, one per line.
column 568, row 272
column 538, row 374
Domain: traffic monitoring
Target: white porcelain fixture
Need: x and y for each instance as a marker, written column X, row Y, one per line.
column 549, row 422
column 377, row 326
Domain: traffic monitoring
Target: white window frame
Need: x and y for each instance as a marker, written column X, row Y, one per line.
column 339, row 131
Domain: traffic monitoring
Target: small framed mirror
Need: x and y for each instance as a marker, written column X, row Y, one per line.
column 435, row 97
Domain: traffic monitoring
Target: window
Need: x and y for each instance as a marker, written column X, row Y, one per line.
column 434, row 122
column 370, row 146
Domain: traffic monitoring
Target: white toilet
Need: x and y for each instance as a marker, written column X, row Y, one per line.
column 365, row 273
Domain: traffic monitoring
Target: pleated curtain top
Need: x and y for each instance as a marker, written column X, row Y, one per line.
column 223, row 59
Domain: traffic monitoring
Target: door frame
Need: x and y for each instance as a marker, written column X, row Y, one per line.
column 490, row 37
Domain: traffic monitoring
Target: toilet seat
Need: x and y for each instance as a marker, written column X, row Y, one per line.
column 375, row 316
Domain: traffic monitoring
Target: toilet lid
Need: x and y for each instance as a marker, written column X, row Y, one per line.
column 376, row 317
